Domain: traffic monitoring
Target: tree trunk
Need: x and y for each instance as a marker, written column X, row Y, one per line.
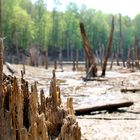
column 1, row 72
column 1, row 57
column 112, row 59
column 136, row 54
column 108, row 48
column 117, row 57
column 46, row 60
column 89, row 54
column 128, row 58
column 77, row 57
column 121, row 40
column 130, row 89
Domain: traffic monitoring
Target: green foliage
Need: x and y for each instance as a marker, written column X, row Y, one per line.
column 29, row 23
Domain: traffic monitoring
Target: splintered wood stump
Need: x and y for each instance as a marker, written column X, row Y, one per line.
column 109, row 107
column 70, row 129
column 23, row 117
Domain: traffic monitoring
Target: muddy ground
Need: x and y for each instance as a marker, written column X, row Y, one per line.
column 123, row 124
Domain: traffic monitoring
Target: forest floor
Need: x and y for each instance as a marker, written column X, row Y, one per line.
column 122, row 124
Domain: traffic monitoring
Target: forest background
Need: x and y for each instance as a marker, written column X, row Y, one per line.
column 29, row 25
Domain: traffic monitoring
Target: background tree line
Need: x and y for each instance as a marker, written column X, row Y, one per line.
column 26, row 24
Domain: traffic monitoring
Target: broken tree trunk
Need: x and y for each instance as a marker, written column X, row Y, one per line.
column 108, row 107
column 117, row 57
column 1, row 56
column 136, row 54
column 91, row 62
column 77, row 57
column 112, row 58
column 121, row 40
column 1, row 71
column 108, row 48
column 128, row 58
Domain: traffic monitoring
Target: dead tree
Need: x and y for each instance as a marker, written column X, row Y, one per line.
column 46, row 61
column 128, row 58
column 1, row 56
column 77, row 56
column 107, row 51
column 112, row 58
column 136, row 54
column 1, row 71
column 117, row 57
column 121, row 40
column 91, row 62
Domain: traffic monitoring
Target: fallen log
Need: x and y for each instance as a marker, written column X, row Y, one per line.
column 109, row 107
column 112, row 118
column 130, row 89
column 100, row 79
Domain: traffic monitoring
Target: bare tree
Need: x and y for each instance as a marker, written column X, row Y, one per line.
column 1, row 56
column 91, row 63
column 136, row 54
column 107, row 51
column 121, row 40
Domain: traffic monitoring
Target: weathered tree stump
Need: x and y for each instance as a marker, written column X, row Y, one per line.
column 23, row 117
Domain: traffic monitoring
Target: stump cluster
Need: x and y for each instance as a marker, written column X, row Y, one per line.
column 26, row 116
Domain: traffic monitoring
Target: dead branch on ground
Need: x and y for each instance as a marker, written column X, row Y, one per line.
column 109, row 107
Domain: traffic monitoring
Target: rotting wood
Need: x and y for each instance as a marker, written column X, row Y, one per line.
column 100, row 79
column 112, row 58
column 112, row 118
column 54, row 91
column 1, row 71
column 128, row 58
column 91, row 61
column 136, row 54
column 121, row 40
column 55, row 64
column 117, row 57
column 73, row 66
column 109, row 107
column 107, row 51
column 46, row 58
column 70, row 106
column 24, row 118
column 130, row 89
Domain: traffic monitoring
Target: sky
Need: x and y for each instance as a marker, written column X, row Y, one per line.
column 125, row 7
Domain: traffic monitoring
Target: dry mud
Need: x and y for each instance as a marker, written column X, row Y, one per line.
column 123, row 124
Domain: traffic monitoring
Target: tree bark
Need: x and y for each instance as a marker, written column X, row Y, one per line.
column 121, row 40
column 1, row 71
column 136, row 54
column 128, row 58
column 109, row 107
column 130, row 89
column 112, row 58
column 89, row 54
column 46, row 58
column 108, row 48
column 1, row 56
